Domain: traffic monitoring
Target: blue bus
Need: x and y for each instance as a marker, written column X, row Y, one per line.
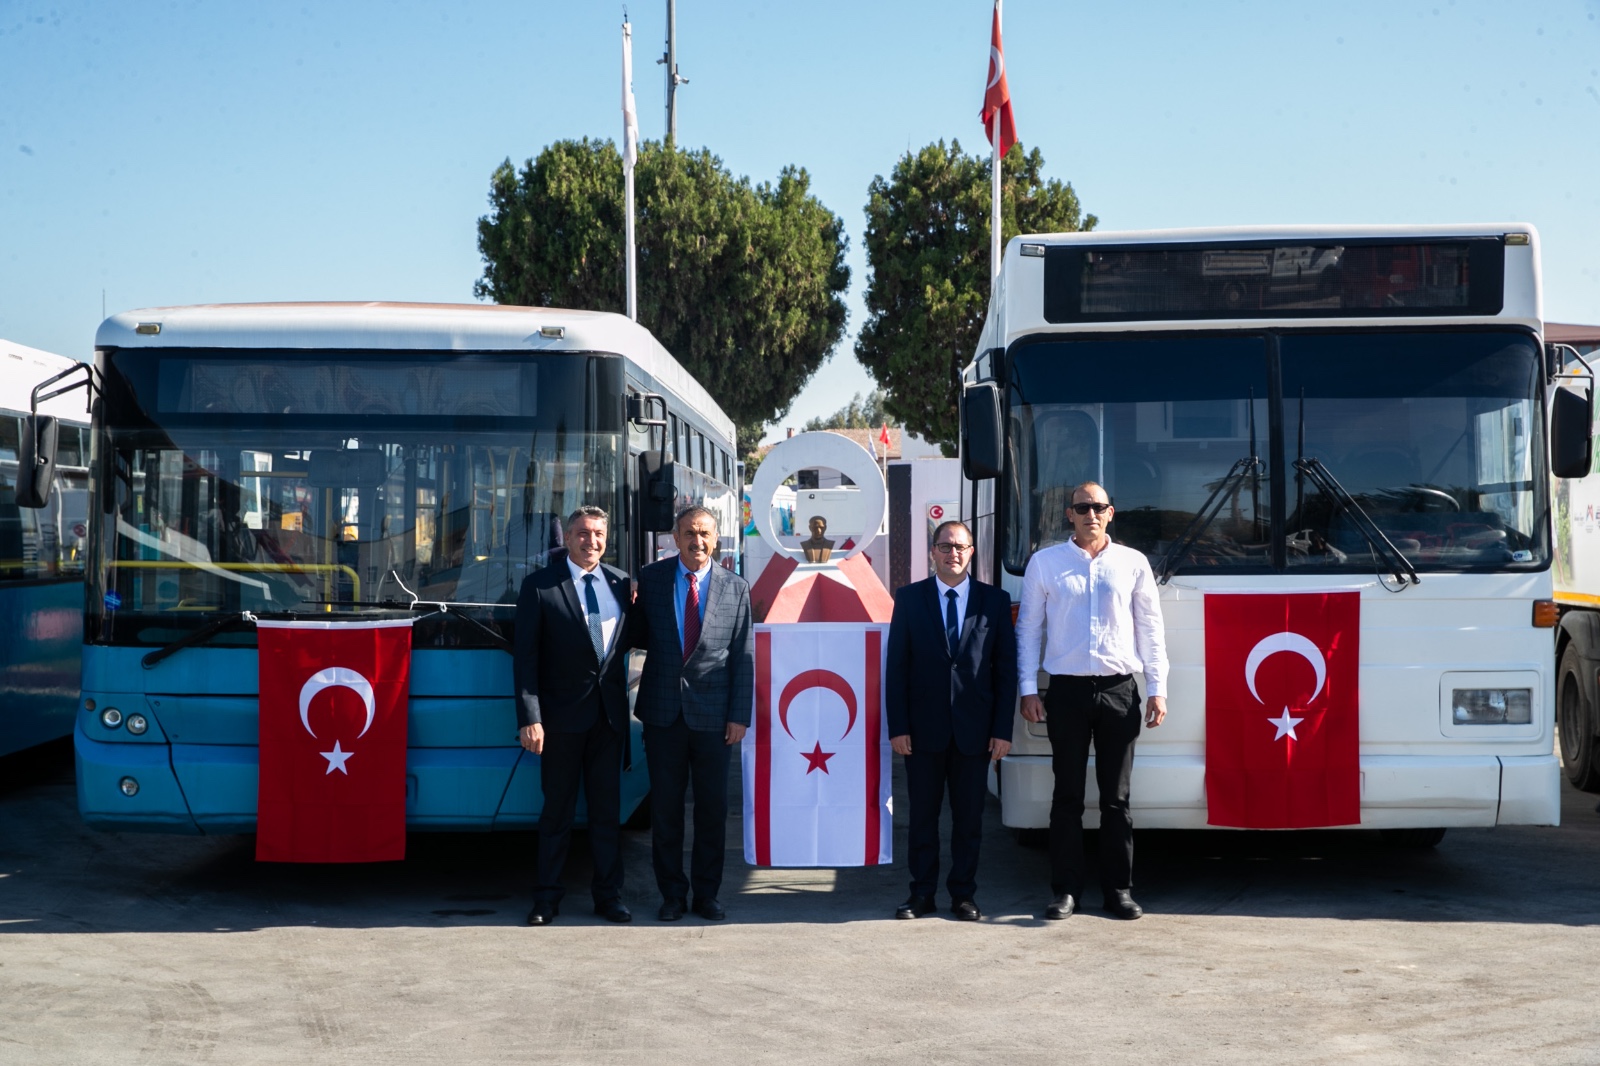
column 41, row 559
column 357, row 461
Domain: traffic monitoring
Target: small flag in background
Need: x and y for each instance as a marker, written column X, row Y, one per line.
column 332, row 720
column 996, row 93
column 630, row 109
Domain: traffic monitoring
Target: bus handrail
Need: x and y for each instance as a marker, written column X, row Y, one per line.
column 286, row 568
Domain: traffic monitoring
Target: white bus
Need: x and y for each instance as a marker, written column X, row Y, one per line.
column 341, row 461
column 1296, row 409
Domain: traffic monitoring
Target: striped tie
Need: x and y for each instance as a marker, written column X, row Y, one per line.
column 691, row 619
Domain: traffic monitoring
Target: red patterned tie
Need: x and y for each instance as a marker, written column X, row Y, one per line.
column 691, row 619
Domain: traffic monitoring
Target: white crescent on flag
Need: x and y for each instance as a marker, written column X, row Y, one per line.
column 1291, row 642
column 336, row 677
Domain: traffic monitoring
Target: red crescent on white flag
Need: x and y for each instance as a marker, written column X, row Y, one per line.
column 811, row 679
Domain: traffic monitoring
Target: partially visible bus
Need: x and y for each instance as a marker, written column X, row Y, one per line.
column 1244, row 395
column 338, row 461
column 41, row 560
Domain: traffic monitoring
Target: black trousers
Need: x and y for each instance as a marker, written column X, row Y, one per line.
column 680, row 756
column 594, row 760
column 1104, row 710
column 929, row 775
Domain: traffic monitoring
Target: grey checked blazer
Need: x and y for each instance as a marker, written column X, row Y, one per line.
column 717, row 684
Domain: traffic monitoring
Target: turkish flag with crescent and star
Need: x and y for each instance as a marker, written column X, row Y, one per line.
column 816, row 756
column 1283, row 723
column 332, row 782
column 996, row 93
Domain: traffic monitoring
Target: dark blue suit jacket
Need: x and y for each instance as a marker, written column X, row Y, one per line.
column 560, row 683
column 716, row 686
column 939, row 700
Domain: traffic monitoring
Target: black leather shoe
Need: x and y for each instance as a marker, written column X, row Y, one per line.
column 965, row 910
column 1120, row 904
column 710, row 910
column 1061, row 907
column 671, row 910
column 915, row 907
column 614, row 910
column 543, row 913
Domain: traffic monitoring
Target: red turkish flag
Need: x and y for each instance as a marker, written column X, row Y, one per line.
column 1283, row 726
column 996, row 93
column 332, row 783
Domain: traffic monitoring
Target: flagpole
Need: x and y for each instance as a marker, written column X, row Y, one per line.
column 630, row 152
column 994, row 190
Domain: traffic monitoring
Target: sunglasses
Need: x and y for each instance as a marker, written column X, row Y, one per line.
column 1085, row 508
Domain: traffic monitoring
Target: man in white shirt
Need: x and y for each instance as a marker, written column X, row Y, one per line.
column 1101, row 615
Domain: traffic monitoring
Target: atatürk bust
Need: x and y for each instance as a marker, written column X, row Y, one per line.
column 819, row 547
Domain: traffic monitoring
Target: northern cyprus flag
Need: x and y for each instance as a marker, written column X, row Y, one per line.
column 816, row 756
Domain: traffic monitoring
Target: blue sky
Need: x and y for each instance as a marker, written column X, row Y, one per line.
column 189, row 152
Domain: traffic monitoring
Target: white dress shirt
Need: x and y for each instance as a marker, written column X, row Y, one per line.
column 610, row 611
column 962, row 592
column 1101, row 616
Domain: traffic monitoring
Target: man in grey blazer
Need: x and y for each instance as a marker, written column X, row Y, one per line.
column 692, row 617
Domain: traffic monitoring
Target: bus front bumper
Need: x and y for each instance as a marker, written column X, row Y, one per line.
column 1397, row 791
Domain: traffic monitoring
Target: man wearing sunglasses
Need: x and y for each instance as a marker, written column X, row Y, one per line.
column 1097, row 604
column 951, row 684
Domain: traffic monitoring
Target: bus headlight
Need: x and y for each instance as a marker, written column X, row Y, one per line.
column 137, row 724
column 129, row 786
column 111, row 718
column 1492, row 706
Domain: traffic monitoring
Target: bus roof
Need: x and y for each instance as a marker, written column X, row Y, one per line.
column 1274, row 233
column 411, row 327
column 22, row 367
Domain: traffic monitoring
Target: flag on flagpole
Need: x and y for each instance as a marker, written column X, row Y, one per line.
column 331, row 785
column 816, row 757
column 630, row 110
column 1283, row 723
column 883, row 439
column 997, row 94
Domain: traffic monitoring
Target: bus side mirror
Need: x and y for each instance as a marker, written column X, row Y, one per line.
column 1571, row 432
column 657, row 492
column 36, row 460
column 982, row 443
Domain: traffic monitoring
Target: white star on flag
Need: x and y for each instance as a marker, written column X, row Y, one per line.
column 1285, row 726
column 336, row 759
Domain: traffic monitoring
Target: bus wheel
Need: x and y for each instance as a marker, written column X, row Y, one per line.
column 1575, row 721
column 1412, row 839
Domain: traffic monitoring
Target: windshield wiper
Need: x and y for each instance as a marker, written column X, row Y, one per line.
column 1249, row 466
column 199, row 636
column 1380, row 544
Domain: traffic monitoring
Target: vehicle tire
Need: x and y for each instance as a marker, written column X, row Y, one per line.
column 639, row 820
column 1032, row 838
column 1412, row 839
column 1575, row 721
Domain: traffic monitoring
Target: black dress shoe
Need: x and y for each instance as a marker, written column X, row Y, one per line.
column 915, row 907
column 1061, row 907
column 965, row 910
column 543, row 913
column 671, row 910
column 710, row 910
column 614, row 910
column 1120, row 904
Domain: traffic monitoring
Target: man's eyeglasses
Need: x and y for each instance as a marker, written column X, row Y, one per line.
column 1085, row 508
column 946, row 548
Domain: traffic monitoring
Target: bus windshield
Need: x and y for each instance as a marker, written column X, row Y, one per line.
column 328, row 482
column 1435, row 435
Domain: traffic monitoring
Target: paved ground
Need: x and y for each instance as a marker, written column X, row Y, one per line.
column 1310, row 947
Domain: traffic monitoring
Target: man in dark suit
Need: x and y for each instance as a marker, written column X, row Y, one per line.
column 572, row 706
column 693, row 619
column 952, row 689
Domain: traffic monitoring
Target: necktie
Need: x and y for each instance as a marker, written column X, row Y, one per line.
column 592, row 602
column 691, row 619
column 952, row 624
